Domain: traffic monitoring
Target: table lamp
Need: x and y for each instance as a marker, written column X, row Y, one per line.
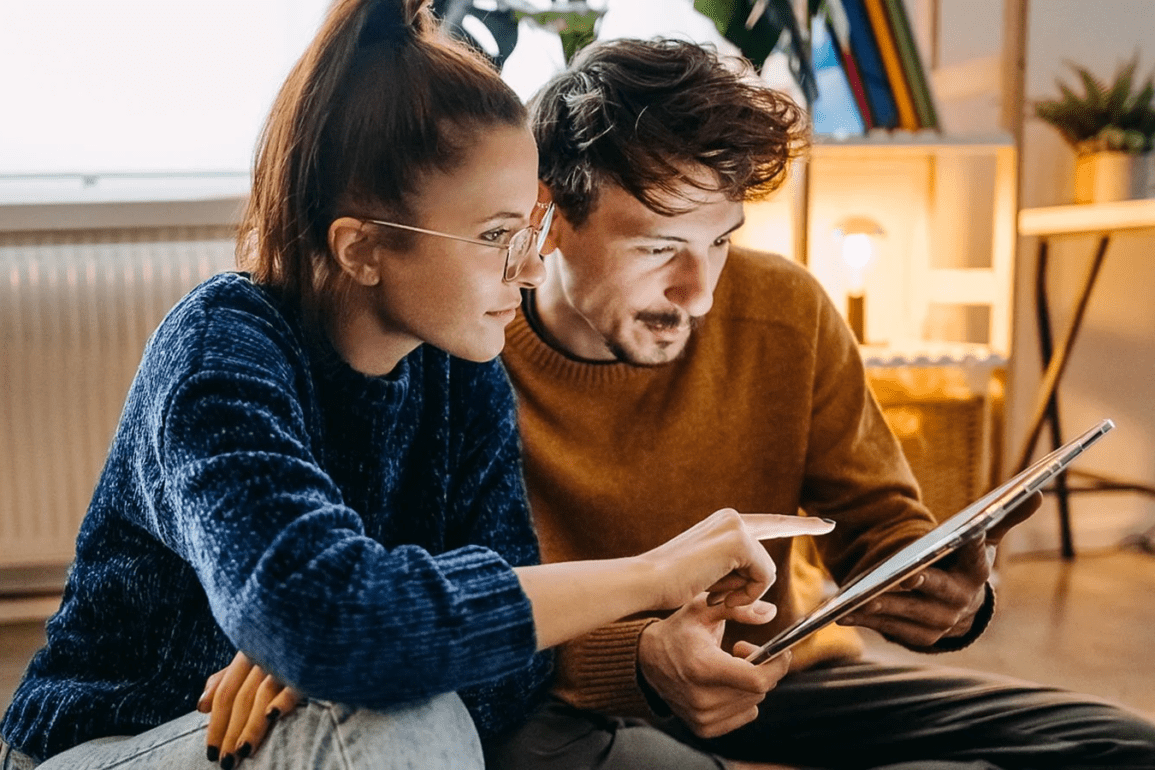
column 856, row 240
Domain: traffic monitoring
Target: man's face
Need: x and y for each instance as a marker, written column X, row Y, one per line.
column 629, row 283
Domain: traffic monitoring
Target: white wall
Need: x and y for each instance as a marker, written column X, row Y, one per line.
column 1111, row 372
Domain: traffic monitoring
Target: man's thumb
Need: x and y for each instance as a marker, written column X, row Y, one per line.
column 754, row 614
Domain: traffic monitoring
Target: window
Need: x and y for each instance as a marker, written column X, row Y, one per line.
column 141, row 87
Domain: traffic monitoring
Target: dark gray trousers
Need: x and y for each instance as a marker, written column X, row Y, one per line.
column 858, row 715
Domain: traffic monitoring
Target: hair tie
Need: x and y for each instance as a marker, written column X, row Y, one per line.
column 389, row 21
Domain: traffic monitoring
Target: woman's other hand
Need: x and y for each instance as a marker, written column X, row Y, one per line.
column 243, row 703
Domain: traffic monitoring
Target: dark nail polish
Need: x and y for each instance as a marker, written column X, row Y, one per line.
column 273, row 715
column 228, row 761
column 244, row 750
column 213, row 753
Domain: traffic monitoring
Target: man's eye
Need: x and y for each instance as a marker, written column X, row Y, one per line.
column 724, row 240
column 500, row 235
column 660, row 251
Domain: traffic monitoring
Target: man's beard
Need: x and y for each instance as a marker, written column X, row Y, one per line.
column 660, row 321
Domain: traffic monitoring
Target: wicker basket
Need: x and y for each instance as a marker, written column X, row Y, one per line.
column 945, row 429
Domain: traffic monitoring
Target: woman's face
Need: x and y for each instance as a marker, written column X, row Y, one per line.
column 449, row 293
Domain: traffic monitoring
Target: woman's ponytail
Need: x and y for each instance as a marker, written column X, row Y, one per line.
column 280, row 228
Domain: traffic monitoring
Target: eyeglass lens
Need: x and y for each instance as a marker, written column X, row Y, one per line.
column 526, row 244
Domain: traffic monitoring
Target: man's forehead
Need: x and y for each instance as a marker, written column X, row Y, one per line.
column 626, row 215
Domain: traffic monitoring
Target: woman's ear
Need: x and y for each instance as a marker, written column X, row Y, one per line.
column 546, row 197
column 354, row 251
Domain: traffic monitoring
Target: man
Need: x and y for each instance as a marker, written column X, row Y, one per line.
column 662, row 375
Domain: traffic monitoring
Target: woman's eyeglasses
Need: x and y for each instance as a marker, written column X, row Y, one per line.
column 524, row 244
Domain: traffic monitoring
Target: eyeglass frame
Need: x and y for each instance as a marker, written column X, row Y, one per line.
column 542, row 229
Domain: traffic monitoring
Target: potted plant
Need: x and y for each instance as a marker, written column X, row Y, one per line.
column 1112, row 128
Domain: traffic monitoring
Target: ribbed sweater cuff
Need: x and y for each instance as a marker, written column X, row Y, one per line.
column 978, row 627
column 600, row 672
column 501, row 616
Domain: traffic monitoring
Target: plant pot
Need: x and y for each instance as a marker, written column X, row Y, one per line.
column 1114, row 176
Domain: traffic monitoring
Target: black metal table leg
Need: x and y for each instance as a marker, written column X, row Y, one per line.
column 1046, row 353
column 1054, row 362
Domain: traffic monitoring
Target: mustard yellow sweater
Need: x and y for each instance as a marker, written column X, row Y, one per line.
column 768, row 411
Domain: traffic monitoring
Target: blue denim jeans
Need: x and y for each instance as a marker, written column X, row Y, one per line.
column 437, row 734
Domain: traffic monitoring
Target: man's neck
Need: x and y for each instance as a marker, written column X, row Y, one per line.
column 561, row 327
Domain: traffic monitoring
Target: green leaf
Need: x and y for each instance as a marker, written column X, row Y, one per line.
column 1116, row 98
column 1095, row 91
column 1117, row 116
column 718, row 11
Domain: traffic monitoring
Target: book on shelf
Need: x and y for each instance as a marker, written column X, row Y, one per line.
column 836, row 110
column 912, row 64
column 892, row 64
column 879, row 60
column 864, row 51
column 838, row 28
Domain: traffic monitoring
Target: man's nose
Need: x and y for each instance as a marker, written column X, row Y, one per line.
column 691, row 287
column 531, row 273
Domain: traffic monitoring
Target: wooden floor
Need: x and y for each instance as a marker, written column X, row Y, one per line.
column 1087, row 626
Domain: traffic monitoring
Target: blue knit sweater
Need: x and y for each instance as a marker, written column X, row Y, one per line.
column 354, row 535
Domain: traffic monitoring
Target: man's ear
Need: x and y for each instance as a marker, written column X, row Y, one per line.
column 354, row 251
column 545, row 196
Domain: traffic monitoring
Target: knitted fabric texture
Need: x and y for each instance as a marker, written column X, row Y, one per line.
column 354, row 535
column 767, row 411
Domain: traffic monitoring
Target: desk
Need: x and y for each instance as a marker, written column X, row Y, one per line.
column 1104, row 220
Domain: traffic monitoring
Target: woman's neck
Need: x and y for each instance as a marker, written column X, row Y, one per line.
column 358, row 338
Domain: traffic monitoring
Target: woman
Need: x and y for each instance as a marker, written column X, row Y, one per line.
column 317, row 461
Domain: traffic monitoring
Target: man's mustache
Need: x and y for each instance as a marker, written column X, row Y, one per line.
column 666, row 320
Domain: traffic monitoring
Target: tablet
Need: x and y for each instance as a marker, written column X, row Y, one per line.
column 970, row 523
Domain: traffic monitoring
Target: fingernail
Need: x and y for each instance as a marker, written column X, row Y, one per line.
column 273, row 715
column 715, row 600
column 763, row 608
column 244, row 750
column 228, row 762
column 213, row 753
column 201, row 699
column 830, row 521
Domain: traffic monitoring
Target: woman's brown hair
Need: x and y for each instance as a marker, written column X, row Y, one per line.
column 637, row 113
column 380, row 98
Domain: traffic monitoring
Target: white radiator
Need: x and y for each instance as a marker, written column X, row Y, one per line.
column 75, row 310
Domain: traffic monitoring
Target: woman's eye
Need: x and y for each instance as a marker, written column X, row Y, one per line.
column 500, row 235
column 722, row 241
column 660, row 251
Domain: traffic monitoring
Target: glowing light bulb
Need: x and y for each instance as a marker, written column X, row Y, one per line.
column 856, row 240
column 857, row 252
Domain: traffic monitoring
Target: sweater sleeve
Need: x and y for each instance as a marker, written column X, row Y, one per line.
column 291, row 576
column 496, row 515
column 599, row 671
column 855, row 471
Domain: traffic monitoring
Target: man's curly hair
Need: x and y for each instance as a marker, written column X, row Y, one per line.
column 639, row 113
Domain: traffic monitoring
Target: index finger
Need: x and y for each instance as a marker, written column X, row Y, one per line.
column 769, row 526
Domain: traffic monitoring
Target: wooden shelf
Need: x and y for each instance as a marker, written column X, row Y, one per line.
column 1088, row 218
column 907, row 143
